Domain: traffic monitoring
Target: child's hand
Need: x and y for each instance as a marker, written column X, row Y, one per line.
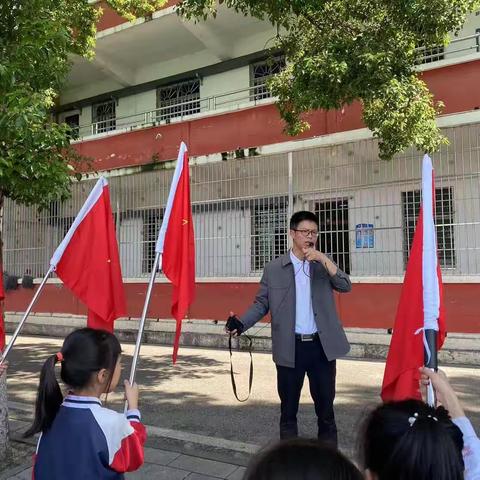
column 3, row 368
column 131, row 394
column 444, row 391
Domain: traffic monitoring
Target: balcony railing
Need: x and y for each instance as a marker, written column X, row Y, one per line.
column 256, row 95
column 458, row 47
column 252, row 96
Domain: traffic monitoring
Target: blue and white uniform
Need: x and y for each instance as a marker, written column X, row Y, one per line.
column 88, row 441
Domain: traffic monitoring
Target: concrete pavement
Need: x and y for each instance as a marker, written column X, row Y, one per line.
column 367, row 343
column 192, row 413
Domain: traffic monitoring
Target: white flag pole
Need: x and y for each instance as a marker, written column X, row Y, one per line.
column 25, row 316
column 156, row 265
column 431, row 287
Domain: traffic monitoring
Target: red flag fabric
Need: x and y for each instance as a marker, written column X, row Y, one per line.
column 176, row 243
column 2, row 321
column 88, row 263
column 406, row 353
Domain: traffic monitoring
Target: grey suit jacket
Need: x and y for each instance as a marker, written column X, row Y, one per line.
column 277, row 296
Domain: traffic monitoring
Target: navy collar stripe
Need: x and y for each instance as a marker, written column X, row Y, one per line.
column 71, row 400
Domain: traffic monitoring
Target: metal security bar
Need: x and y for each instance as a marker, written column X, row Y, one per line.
column 367, row 210
column 457, row 47
column 172, row 109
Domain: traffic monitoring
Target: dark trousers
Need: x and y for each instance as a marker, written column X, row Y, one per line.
column 310, row 359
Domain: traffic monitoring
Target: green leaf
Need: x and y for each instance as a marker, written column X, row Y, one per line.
column 340, row 51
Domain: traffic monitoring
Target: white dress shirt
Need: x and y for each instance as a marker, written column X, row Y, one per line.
column 304, row 318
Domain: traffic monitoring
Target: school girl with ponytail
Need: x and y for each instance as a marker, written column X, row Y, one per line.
column 80, row 439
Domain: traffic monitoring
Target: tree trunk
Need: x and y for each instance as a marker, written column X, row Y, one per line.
column 3, row 378
column 3, row 418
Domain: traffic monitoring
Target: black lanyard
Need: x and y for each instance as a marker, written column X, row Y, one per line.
column 232, row 376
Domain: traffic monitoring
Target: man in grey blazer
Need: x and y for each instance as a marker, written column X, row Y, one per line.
column 307, row 336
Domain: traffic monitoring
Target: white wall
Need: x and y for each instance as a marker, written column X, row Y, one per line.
column 226, row 82
column 135, row 105
column 380, row 206
column 223, row 243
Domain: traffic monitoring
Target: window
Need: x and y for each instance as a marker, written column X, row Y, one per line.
column 104, row 116
column 269, row 230
column 73, row 121
column 260, row 72
column 151, row 228
column 429, row 55
column 443, row 220
column 178, row 100
column 138, row 233
column 333, row 227
column 477, row 39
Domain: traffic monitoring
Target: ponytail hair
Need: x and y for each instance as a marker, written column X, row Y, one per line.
column 84, row 352
column 49, row 398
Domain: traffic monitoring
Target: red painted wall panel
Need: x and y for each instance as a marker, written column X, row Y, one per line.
column 456, row 86
column 246, row 128
column 109, row 18
column 367, row 306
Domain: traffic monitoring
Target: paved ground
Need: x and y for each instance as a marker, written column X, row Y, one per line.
column 197, row 428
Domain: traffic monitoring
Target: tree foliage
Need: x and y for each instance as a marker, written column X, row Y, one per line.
column 339, row 51
column 37, row 41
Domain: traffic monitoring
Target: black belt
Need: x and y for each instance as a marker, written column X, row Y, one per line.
column 306, row 337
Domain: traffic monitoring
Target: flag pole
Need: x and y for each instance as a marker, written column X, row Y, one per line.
column 25, row 316
column 156, row 265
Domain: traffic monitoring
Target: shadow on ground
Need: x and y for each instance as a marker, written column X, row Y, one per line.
column 174, row 399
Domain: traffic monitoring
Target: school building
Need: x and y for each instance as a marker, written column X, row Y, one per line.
column 161, row 80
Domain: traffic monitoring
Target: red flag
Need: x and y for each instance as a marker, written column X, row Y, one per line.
column 2, row 322
column 88, row 263
column 420, row 306
column 176, row 243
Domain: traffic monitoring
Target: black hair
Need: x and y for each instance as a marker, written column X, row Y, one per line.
column 409, row 439
column 298, row 217
column 301, row 459
column 85, row 352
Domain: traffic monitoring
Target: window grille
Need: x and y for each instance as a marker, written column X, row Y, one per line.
column 444, row 219
column 269, row 231
column 259, row 74
column 333, row 237
column 104, row 116
column 429, row 55
column 178, row 100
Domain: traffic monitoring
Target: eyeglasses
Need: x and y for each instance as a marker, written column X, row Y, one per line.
column 307, row 233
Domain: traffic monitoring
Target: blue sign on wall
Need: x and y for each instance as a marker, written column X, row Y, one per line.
column 364, row 235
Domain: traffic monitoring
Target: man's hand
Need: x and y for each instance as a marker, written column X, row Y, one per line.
column 443, row 390
column 3, row 368
column 232, row 333
column 313, row 255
